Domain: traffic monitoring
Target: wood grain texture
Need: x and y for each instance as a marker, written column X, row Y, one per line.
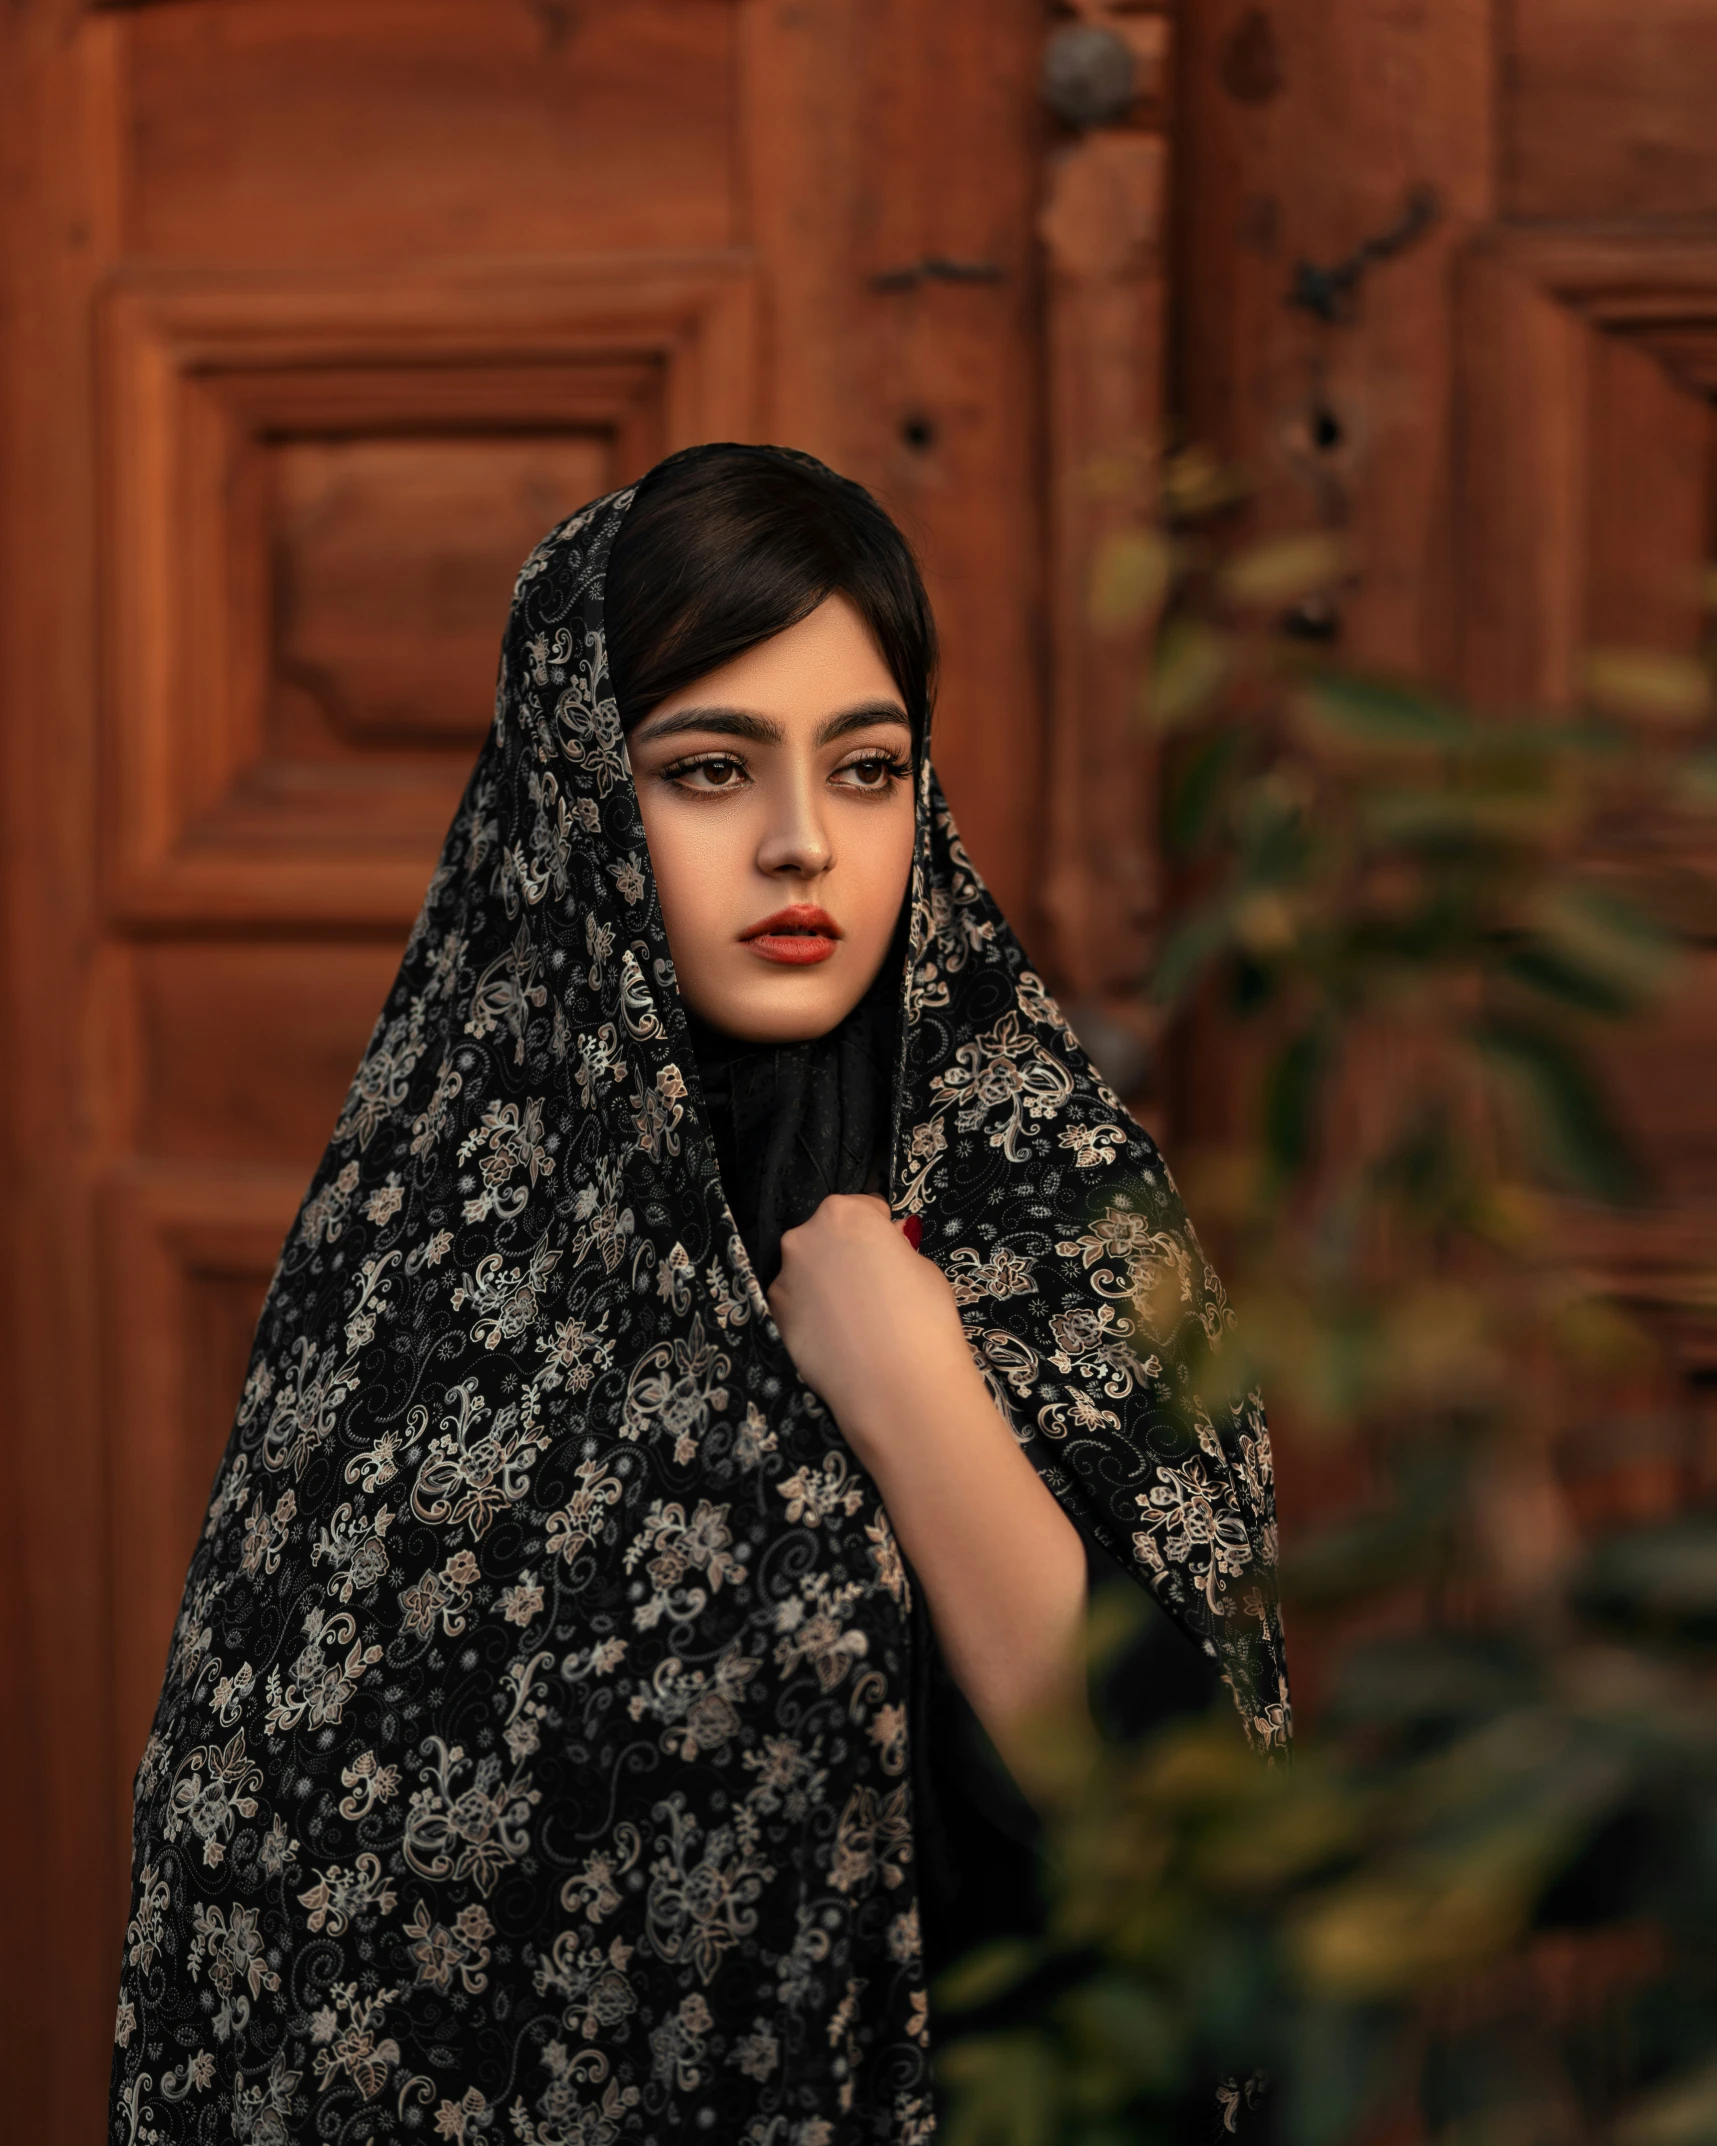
column 1584, row 481
column 315, row 132
column 241, row 1051
column 187, row 1258
column 292, row 461
column 1608, row 111
column 57, row 1791
column 948, row 426
column 1102, row 225
column 1519, row 442
column 1300, row 127
column 1365, row 100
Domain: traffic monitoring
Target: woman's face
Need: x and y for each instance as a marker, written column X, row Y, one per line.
column 777, row 798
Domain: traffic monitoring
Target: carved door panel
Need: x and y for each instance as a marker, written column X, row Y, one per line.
column 1510, row 415
column 1585, row 509
column 318, row 316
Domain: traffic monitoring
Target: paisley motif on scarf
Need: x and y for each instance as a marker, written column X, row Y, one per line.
column 533, row 1761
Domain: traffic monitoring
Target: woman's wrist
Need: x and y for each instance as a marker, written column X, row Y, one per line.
column 915, row 1413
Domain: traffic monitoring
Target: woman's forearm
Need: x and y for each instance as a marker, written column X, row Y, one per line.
column 1001, row 1565
column 874, row 1328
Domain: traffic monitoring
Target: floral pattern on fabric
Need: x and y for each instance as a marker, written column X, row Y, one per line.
column 532, row 1761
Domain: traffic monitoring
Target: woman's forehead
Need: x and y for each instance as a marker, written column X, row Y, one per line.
column 824, row 666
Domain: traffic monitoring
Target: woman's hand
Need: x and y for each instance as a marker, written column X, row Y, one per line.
column 868, row 1321
column 874, row 1328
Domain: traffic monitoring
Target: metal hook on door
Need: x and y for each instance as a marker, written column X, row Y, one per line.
column 937, row 268
column 1328, row 292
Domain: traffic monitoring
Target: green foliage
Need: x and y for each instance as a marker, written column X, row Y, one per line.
column 1481, row 1899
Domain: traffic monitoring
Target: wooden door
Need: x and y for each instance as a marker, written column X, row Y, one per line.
column 1512, row 415
column 317, row 315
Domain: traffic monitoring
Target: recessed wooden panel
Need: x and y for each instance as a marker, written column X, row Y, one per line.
column 392, row 559
column 188, row 1261
column 1587, row 362
column 398, row 128
column 1608, row 108
column 320, row 494
column 1649, row 501
column 243, row 1052
column 1584, row 514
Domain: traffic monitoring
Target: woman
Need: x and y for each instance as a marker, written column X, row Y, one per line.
column 546, row 1746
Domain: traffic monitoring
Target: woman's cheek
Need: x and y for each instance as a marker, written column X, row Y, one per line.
column 884, row 857
column 697, row 882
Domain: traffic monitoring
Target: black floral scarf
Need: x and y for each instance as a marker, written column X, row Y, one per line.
column 532, row 1761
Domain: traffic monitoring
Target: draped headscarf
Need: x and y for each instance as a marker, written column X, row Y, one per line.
column 533, row 1760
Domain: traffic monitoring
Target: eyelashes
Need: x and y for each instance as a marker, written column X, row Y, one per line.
column 711, row 764
column 724, row 774
column 889, row 766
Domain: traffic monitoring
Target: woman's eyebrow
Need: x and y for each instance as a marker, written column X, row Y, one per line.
column 764, row 729
column 862, row 718
column 725, row 722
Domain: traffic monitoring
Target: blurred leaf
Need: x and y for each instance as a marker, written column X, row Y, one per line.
column 1548, row 972
column 984, row 1975
column 1444, row 819
column 1360, row 1555
column 1196, row 782
column 1189, row 950
column 1293, row 1093
column 1382, row 1936
column 1196, row 484
column 1192, row 665
column 1130, row 577
column 1131, row 471
column 1383, row 714
column 1654, row 688
column 1277, row 574
column 1264, row 921
column 1624, row 956
column 1566, row 1112
column 1488, row 1879
column 1681, row 2114
column 1430, row 1679
column 1695, row 783
column 1664, row 1576
column 1008, row 2092
column 1128, row 2029
column 1337, row 2066
column 1306, row 1827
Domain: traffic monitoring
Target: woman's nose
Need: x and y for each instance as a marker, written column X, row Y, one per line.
column 796, row 843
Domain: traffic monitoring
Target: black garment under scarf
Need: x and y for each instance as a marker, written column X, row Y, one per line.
column 533, row 1756
column 792, row 1123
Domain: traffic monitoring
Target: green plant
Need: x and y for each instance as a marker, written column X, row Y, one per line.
column 1479, row 1903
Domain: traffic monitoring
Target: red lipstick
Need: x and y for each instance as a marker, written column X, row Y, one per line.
column 795, row 936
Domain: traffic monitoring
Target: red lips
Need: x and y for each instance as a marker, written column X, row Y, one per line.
column 796, row 936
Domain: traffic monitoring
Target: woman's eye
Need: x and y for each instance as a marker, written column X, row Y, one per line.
column 716, row 772
column 874, row 771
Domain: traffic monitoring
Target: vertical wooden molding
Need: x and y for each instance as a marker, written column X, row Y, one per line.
column 1523, row 396
column 946, row 429
column 802, row 154
column 1546, row 415
column 1102, row 227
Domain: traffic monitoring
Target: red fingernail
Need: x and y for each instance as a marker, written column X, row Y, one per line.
column 913, row 1231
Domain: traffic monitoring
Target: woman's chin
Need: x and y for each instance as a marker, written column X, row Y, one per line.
column 793, row 1006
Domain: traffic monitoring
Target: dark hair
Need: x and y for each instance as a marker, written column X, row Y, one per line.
column 727, row 546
